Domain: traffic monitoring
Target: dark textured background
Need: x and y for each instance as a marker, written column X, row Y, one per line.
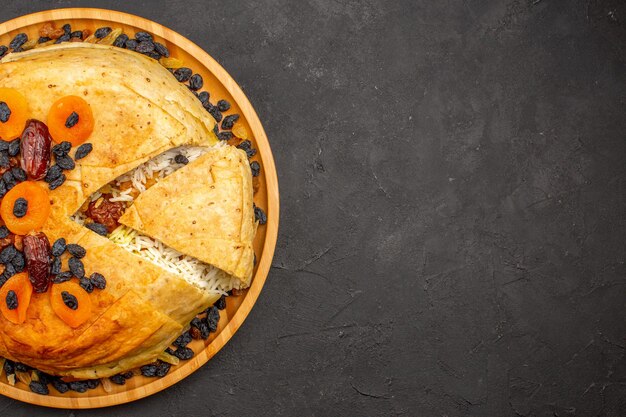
column 453, row 185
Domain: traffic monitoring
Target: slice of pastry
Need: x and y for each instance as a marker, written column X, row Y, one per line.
column 204, row 210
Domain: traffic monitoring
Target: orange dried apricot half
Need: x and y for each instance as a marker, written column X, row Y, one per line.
column 71, row 303
column 37, row 210
column 15, row 297
column 13, row 113
column 70, row 119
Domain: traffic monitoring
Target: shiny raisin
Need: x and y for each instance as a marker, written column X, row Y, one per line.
column 86, row 285
column 5, row 112
column 11, row 300
column 69, row 300
column 98, row 280
column 183, row 74
column 102, row 32
column 76, row 267
column 76, row 251
column 65, row 162
column 98, row 228
column 37, row 253
column 83, row 150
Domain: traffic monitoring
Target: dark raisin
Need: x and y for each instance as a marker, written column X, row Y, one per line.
column 145, row 47
column 86, row 285
column 153, row 55
column 143, row 36
column 216, row 129
column 195, row 322
column 7, row 254
column 4, row 232
column 76, row 267
column 9, row 367
column 54, row 184
column 83, row 150
column 183, row 340
column 225, row 136
column 67, row 28
column 229, row 121
column 18, row 262
column 44, row 378
column 69, row 300
column 102, row 32
column 5, row 112
column 20, row 367
column 203, row 97
column 20, row 207
column 250, row 152
column 38, row 388
column 58, row 247
column 55, row 268
column 77, row 34
column 121, row 40
column 98, row 280
column 14, row 147
column 76, row 251
column 9, row 270
column 148, row 370
column 184, row 353
column 43, row 39
column 66, row 162
column 223, row 105
column 217, row 115
column 19, row 174
column 63, row 38
column 162, row 369
column 183, row 74
column 161, row 49
column 212, row 318
column 5, row 162
column 19, row 40
column 53, row 173
column 131, row 44
column 181, row 159
column 118, row 379
column 259, row 215
column 3, row 50
column 255, row 168
column 71, row 120
column 62, row 277
column 60, row 386
column 11, row 300
column 98, row 228
column 78, row 386
column 93, row 383
column 221, row 303
column 62, row 148
column 9, row 180
column 128, row 375
column 196, row 82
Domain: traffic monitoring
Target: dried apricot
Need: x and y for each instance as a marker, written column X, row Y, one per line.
column 71, row 303
column 12, row 122
column 37, row 212
column 62, row 120
column 15, row 297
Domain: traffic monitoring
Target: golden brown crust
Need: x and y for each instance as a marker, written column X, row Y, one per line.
column 205, row 211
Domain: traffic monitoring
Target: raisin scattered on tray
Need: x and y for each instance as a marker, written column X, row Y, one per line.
column 39, row 388
column 259, row 215
column 183, row 353
column 58, row 247
column 102, row 32
column 86, row 284
column 19, row 40
column 83, row 150
column 60, row 386
column 76, row 267
column 181, row 159
column 183, row 74
column 76, row 250
column 196, row 82
column 66, row 162
column 229, row 121
column 255, row 168
column 56, row 183
column 223, row 105
column 162, row 50
column 143, row 36
column 121, row 40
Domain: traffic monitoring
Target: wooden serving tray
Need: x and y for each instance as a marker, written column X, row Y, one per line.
column 221, row 86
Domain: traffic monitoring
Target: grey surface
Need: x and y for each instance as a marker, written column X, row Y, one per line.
column 453, row 208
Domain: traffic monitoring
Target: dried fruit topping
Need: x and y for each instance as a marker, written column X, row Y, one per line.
column 79, row 309
column 58, row 116
column 54, row 172
column 76, row 267
column 225, row 136
column 13, row 307
column 106, row 212
column 184, row 353
column 13, row 114
column 69, row 300
column 35, row 149
column 71, row 120
column 20, row 207
column 161, row 50
column 83, row 150
column 37, row 212
column 255, row 168
column 86, row 284
column 39, row 387
column 98, row 280
column 259, row 215
column 62, row 148
column 98, row 228
column 196, row 82
column 183, row 74
column 229, row 121
column 19, row 40
column 102, row 32
column 14, row 147
column 223, row 105
column 143, row 36
column 58, row 247
column 65, row 162
column 121, row 40
column 37, row 252
column 56, row 183
column 76, row 250
column 181, row 159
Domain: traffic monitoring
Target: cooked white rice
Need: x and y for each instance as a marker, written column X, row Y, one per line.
column 201, row 274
